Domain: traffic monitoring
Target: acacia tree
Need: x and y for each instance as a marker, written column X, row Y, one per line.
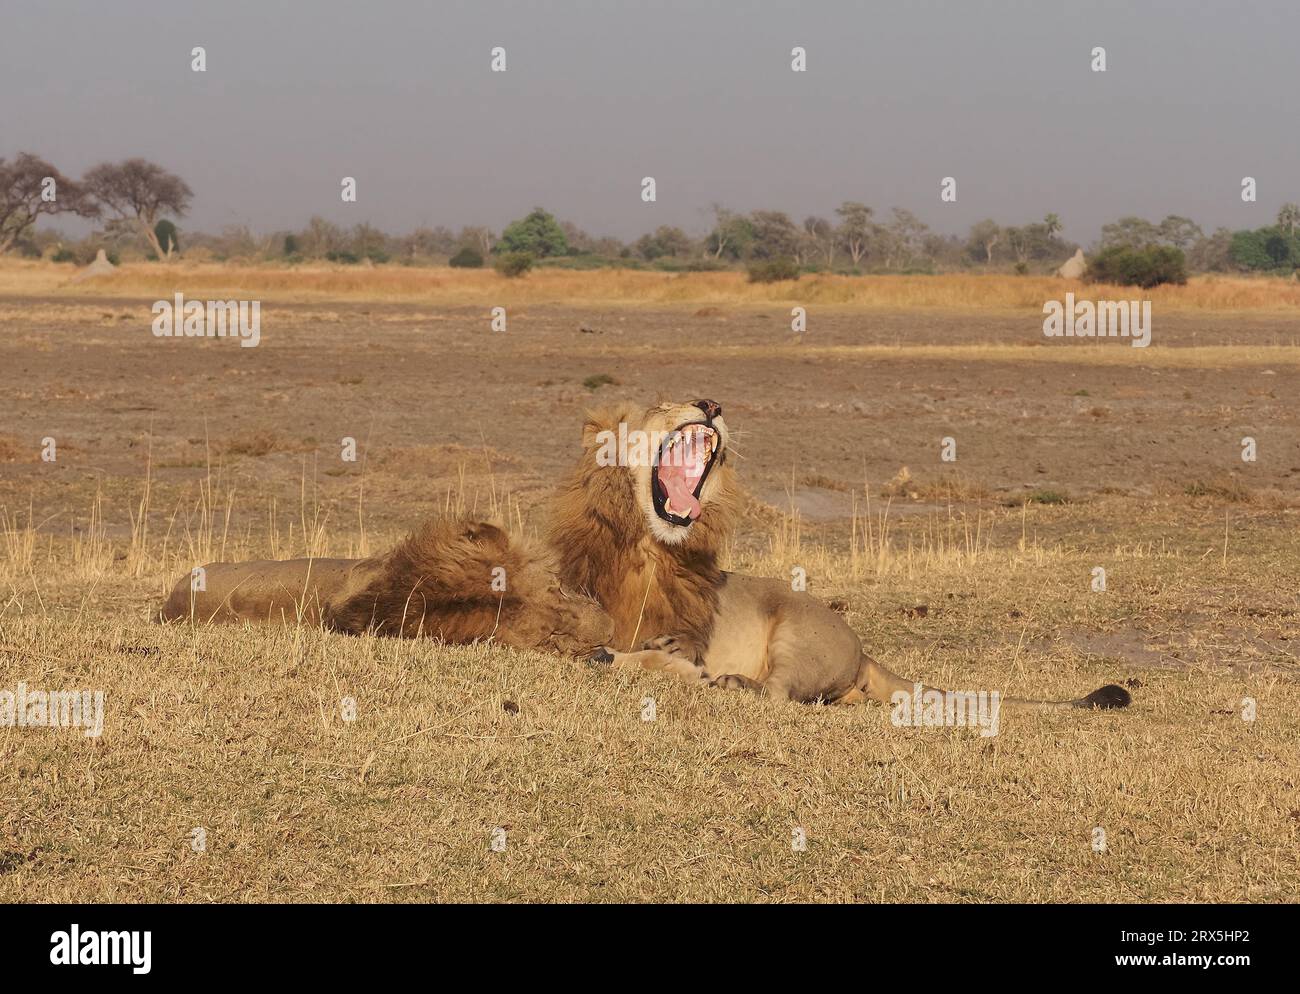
column 484, row 238
column 1179, row 231
column 30, row 187
column 855, row 228
column 1130, row 232
column 138, row 191
column 666, row 240
column 775, row 235
column 1021, row 241
column 904, row 235
column 822, row 235
column 732, row 233
column 984, row 235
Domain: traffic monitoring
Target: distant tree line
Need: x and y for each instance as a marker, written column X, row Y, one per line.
column 138, row 203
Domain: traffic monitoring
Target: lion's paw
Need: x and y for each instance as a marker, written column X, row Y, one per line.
column 734, row 681
column 674, row 646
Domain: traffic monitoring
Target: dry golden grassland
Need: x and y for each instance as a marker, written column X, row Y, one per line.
column 173, row 454
column 461, row 287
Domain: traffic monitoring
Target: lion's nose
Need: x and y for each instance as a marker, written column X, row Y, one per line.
column 711, row 408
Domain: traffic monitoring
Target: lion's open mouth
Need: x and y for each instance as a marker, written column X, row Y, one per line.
column 681, row 466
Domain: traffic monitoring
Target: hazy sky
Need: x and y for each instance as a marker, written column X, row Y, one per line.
column 698, row 94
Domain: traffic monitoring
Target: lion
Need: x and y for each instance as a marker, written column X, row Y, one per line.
column 639, row 524
column 456, row 580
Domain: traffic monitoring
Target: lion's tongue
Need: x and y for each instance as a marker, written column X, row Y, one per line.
column 678, row 483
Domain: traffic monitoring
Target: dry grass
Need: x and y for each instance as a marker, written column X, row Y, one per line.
column 486, row 287
column 240, row 732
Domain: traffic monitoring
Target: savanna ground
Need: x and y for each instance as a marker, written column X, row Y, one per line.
column 973, row 574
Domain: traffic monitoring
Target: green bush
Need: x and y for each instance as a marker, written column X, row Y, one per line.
column 342, row 256
column 290, row 245
column 538, row 234
column 1248, row 250
column 63, row 254
column 1264, row 249
column 1144, row 267
column 165, row 231
column 773, row 271
column 467, row 258
column 514, row 264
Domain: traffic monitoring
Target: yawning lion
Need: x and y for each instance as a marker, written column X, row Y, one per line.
column 639, row 525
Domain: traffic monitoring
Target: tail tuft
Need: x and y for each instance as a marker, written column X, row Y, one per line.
column 1109, row 696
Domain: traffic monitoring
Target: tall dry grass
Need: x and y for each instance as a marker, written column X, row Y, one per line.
column 451, row 287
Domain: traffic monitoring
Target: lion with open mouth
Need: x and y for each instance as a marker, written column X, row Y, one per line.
column 639, row 525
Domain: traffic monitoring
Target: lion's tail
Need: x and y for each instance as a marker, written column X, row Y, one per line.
column 879, row 684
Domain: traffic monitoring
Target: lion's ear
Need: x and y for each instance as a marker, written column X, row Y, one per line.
column 595, row 423
column 608, row 420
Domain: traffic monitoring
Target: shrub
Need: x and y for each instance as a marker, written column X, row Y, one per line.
column 467, row 258
column 1278, row 249
column 599, row 380
column 290, row 245
column 343, row 256
column 1144, row 267
column 1047, row 497
column 1247, row 250
column 513, row 264
column 773, row 271
column 1265, row 249
column 63, row 254
column 538, row 234
column 165, row 231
